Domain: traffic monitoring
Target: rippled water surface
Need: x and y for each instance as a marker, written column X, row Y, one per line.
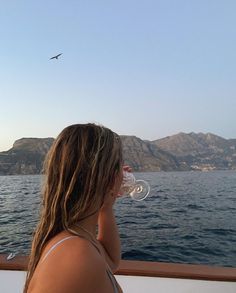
column 189, row 217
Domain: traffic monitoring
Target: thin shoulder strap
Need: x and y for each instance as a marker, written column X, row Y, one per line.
column 55, row 245
column 108, row 269
column 95, row 244
column 76, row 234
column 113, row 281
column 92, row 241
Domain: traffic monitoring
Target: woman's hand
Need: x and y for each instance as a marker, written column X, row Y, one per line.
column 127, row 168
column 115, row 191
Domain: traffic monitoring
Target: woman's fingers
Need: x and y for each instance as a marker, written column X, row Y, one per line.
column 127, row 168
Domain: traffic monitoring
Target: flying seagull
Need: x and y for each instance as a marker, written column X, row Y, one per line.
column 56, row 57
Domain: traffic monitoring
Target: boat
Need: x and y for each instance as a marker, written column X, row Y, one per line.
column 139, row 276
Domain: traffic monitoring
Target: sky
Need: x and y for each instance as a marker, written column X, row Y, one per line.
column 144, row 68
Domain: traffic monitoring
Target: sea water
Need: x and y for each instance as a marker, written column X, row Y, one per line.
column 189, row 217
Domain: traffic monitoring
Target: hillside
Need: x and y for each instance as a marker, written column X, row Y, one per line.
column 193, row 151
column 145, row 156
column 25, row 157
column 200, row 151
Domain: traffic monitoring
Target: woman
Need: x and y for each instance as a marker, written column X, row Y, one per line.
column 76, row 246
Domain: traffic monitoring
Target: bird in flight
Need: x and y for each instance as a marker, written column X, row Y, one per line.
column 56, row 57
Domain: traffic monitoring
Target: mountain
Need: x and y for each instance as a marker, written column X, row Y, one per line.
column 192, row 151
column 25, row 157
column 199, row 151
column 146, row 156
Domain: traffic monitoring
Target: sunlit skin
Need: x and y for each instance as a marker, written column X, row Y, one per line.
column 77, row 262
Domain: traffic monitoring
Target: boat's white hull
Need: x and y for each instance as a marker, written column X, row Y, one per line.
column 13, row 282
column 131, row 284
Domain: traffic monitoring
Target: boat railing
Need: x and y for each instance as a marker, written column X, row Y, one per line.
column 145, row 268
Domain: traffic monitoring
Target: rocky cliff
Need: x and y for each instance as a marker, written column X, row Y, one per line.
column 146, row 156
column 199, row 151
column 193, row 151
column 25, row 157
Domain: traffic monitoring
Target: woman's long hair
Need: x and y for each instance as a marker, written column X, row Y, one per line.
column 80, row 169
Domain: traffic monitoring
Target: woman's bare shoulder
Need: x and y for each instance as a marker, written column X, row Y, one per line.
column 73, row 267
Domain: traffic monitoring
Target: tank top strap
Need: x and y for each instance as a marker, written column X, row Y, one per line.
column 54, row 246
column 108, row 269
column 92, row 241
column 113, row 281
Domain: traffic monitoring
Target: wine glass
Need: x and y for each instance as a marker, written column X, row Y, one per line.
column 137, row 189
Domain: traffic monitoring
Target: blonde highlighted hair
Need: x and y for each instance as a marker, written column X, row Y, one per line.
column 80, row 169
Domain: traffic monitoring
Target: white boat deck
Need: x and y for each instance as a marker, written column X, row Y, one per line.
column 13, row 282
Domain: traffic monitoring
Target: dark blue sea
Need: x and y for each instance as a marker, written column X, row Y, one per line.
column 189, row 217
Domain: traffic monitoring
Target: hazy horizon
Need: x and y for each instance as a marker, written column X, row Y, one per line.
column 146, row 68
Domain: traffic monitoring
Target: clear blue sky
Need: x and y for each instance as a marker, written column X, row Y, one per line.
column 144, row 68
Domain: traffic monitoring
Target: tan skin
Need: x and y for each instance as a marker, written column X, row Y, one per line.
column 76, row 265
